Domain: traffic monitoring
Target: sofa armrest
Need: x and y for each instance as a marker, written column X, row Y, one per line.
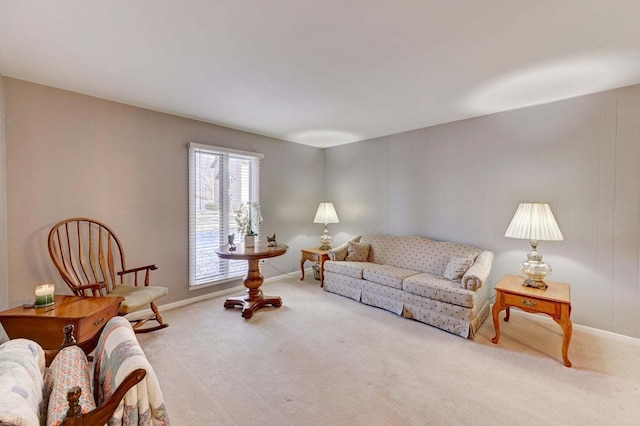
column 340, row 252
column 21, row 368
column 477, row 275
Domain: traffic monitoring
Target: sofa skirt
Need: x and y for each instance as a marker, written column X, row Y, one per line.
column 459, row 320
column 380, row 296
column 342, row 285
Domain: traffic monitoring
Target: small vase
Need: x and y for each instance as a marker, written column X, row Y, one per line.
column 249, row 240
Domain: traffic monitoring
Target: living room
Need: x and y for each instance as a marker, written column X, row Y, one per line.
column 87, row 152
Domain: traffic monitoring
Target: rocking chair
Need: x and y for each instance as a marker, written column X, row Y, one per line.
column 90, row 259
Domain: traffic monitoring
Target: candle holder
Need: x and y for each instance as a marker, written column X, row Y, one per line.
column 45, row 295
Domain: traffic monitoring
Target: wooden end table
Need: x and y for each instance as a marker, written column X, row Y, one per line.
column 254, row 299
column 45, row 325
column 555, row 301
column 314, row 255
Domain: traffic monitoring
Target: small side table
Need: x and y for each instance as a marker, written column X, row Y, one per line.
column 555, row 301
column 314, row 255
column 45, row 325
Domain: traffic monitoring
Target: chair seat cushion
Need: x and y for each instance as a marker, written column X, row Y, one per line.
column 137, row 297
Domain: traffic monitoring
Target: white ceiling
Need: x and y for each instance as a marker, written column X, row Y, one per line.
column 324, row 72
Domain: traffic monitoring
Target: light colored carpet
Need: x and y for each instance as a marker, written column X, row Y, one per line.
column 322, row 359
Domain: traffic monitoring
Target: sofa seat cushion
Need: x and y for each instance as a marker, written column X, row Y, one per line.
column 436, row 288
column 390, row 276
column 350, row 269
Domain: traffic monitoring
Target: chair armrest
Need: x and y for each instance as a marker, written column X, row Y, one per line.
column 477, row 275
column 104, row 411
column 94, row 287
column 135, row 271
column 141, row 268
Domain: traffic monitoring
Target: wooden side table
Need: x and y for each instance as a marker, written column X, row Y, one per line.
column 45, row 325
column 314, row 255
column 555, row 301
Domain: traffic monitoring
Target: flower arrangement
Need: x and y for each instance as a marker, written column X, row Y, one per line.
column 247, row 216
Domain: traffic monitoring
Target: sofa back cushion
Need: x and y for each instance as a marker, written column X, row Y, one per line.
column 416, row 253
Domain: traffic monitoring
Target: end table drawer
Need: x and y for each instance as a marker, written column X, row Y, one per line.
column 532, row 304
column 93, row 323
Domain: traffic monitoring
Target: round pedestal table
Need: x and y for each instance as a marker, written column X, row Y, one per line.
column 254, row 299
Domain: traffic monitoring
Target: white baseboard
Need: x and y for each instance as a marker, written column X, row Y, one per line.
column 185, row 302
column 583, row 328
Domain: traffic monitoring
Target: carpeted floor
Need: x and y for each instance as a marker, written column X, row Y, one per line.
column 322, row 359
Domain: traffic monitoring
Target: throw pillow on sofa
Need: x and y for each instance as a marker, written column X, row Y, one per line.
column 357, row 252
column 456, row 268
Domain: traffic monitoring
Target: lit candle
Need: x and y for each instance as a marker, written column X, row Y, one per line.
column 45, row 295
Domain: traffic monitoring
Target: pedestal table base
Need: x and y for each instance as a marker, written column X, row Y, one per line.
column 249, row 306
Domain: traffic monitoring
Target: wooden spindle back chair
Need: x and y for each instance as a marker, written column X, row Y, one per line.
column 91, row 261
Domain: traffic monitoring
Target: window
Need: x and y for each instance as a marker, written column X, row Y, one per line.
column 220, row 180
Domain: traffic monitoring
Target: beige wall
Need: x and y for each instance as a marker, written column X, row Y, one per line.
column 463, row 181
column 69, row 154
column 4, row 280
column 73, row 155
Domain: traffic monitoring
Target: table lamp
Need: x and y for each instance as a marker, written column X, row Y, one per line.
column 326, row 214
column 534, row 222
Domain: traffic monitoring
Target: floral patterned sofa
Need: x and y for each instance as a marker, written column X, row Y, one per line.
column 443, row 284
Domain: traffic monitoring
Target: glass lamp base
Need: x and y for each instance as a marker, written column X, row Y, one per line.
column 536, row 270
column 530, row 282
column 325, row 240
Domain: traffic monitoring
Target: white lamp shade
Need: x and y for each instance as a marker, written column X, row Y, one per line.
column 534, row 221
column 326, row 214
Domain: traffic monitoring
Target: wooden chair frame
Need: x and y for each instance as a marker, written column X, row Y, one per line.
column 102, row 413
column 90, row 258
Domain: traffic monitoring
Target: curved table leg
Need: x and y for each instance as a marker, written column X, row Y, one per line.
column 302, row 268
column 495, row 313
column 567, row 331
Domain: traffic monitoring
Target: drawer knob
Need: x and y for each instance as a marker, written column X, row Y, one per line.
column 528, row 303
column 99, row 322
